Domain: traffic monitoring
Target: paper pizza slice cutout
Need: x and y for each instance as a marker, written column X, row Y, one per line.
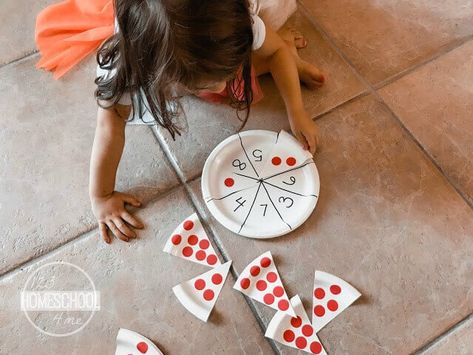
column 133, row 343
column 331, row 296
column 200, row 294
column 190, row 241
column 296, row 332
column 260, row 281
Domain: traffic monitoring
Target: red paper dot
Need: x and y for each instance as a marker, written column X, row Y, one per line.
column 212, row 259
column 301, row 343
column 278, row 291
column 296, row 322
column 142, row 347
column 319, row 293
column 332, row 305
column 319, row 311
column 283, row 305
column 200, row 255
column 271, row 277
column 254, row 271
column 291, row 161
column 208, row 295
column 187, row 251
column 288, row 336
column 276, row 160
column 176, row 239
column 335, row 289
column 316, row 347
column 199, row 284
column 217, row 279
column 204, row 244
column 265, row 262
column 188, row 225
column 245, row 283
column 229, row 182
column 268, row 298
column 261, row 285
column 192, row 240
column 307, row 330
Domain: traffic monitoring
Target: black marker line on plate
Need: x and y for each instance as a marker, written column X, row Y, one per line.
column 292, row 192
column 251, row 207
column 279, row 214
column 246, row 154
column 286, row 171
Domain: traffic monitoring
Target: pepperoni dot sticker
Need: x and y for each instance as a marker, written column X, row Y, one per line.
column 200, row 255
column 271, row 277
column 142, row 347
column 296, row 322
column 204, row 244
column 217, row 279
column 335, row 289
column 192, row 239
column 276, row 160
column 199, row 284
column 176, row 239
column 307, row 330
column 212, row 259
column 316, row 347
column 188, row 225
column 261, row 285
column 283, row 305
column 254, row 271
column 319, row 293
column 209, row 295
column 268, row 298
column 291, row 161
column 319, row 311
column 301, row 343
column 245, row 283
column 229, row 182
column 332, row 305
column 187, row 251
column 278, row 291
column 289, row 336
column 265, row 262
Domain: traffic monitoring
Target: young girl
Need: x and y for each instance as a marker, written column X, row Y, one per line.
column 163, row 49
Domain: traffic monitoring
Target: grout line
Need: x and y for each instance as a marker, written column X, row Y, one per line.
column 423, row 349
column 28, row 55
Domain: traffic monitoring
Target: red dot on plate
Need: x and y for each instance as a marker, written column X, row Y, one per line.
column 288, row 335
column 335, row 289
column 278, row 291
column 188, row 225
column 268, row 298
column 296, row 322
column 276, row 160
column 217, row 279
column 291, row 161
column 261, row 285
column 192, row 239
column 142, row 347
column 229, row 182
column 212, row 259
column 307, row 330
column 208, row 295
column 332, row 305
column 316, row 347
column 204, row 244
column 199, row 284
column 245, row 283
column 254, row 271
column 319, row 293
column 283, row 305
column 176, row 239
column 265, row 262
column 301, row 343
column 319, row 311
column 200, row 255
column 271, row 277
column 187, row 251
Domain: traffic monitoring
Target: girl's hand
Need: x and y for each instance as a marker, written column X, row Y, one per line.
column 112, row 216
column 305, row 130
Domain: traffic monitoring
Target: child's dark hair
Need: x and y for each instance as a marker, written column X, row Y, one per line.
column 163, row 42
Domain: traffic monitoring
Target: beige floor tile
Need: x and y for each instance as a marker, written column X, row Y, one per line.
column 459, row 342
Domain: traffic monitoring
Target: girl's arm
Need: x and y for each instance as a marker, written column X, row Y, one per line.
column 109, row 205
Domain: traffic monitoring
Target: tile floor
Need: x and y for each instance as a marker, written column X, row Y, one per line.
column 394, row 216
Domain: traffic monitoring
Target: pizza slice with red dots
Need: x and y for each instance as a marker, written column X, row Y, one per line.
column 190, row 241
column 260, row 281
column 296, row 332
column 331, row 296
column 132, row 343
column 200, row 294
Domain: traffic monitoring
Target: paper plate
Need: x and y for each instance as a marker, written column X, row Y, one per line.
column 260, row 184
column 133, row 343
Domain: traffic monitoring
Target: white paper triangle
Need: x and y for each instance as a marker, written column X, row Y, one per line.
column 133, row 343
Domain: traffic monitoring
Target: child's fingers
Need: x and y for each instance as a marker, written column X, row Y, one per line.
column 116, row 231
column 123, row 228
column 312, row 143
column 130, row 219
column 303, row 141
column 104, row 233
column 131, row 200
